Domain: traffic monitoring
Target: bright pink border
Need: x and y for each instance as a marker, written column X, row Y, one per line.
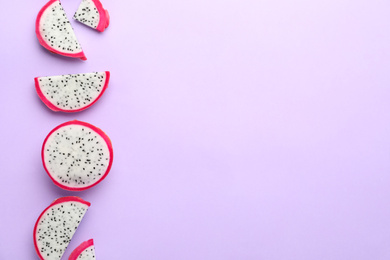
column 57, row 109
column 104, row 20
column 75, row 254
column 80, row 55
column 97, row 130
column 57, row 201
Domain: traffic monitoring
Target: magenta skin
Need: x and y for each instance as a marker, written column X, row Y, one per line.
column 75, row 254
column 104, row 21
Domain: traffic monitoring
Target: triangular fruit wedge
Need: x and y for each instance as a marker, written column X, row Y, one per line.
column 72, row 92
column 55, row 33
column 77, row 155
column 92, row 14
column 56, row 226
column 85, row 251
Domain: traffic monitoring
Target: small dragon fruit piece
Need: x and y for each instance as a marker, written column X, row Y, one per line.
column 55, row 33
column 92, row 14
column 85, row 251
column 77, row 155
column 73, row 92
column 56, row 226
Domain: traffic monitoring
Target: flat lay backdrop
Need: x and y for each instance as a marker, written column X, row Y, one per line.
column 242, row 129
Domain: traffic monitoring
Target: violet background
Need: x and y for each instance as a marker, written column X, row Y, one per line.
column 242, row 129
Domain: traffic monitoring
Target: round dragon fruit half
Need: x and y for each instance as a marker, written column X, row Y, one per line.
column 77, row 155
column 92, row 14
column 72, row 92
column 85, row 251
column 55, row 32
column 56, row 226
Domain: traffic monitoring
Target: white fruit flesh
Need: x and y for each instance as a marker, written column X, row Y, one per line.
column 72, row 92
column 76, row 156
column 56, row 228
column 56, row 30
column 87, row 254
column 88, row 14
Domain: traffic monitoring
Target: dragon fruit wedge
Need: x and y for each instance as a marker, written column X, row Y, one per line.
column 77, row 155
column 55, row 33
column 56, row 226
column 92, row 14
column 73, row 92
column 85, row 251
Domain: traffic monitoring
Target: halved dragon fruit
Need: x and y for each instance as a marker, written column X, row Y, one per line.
column 73, row 92
column 92, row 14
column 85, row 251
column 55, row 33
column 56, row 226
column 77, row 155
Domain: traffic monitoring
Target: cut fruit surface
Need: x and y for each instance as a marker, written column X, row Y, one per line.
column 85, row 251
column 77, row 155
column 55, row 32
column 56, row 226
column 92, row 14
column 73, row 92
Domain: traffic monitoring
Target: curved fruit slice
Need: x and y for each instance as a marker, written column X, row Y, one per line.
column 77, row 155
column 92, row 14
column 73, row 92
column 85, row 251
column 55, row 33
column 56, row 226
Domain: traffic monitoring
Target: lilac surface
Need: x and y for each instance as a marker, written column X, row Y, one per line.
column 242, row 129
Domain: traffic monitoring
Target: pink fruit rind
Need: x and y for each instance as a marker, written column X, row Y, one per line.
column 97, row 130
column 104, row 20
column 80, row 55
column 57, row 109
column 75, row 254
column 55, row 202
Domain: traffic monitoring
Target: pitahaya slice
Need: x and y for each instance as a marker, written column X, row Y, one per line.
column 56, row 226
column 55, row 33
column 73, row 92
column 92, row 14
column 77, row 155
column 85, row 251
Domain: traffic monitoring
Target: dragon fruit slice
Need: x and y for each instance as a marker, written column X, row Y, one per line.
column 56, row 226
column 85, row 251
column 77, row 155
column 92, row 14
column 55, row 33
column 73, row 92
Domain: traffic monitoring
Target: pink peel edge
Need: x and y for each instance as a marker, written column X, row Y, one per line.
column 104, row 20
column 78, row 250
